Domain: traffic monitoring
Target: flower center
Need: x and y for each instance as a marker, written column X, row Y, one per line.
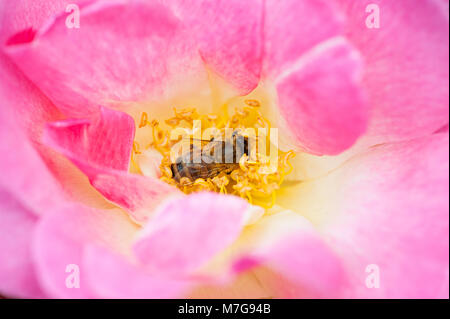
column 226, row 153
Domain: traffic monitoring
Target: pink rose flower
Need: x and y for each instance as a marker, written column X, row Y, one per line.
column 364, row 214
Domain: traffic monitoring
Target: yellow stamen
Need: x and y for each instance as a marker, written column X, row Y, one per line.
column 136, row 148
column 250, row 179
column 254, row 103
column 144, row 120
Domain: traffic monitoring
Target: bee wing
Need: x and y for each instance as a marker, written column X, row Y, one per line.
column 212, row 145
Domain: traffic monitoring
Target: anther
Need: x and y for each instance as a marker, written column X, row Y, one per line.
column 144, row 120
column 253, row 103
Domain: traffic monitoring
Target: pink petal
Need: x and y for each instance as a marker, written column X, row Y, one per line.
column 187, row 232
column 407, row 66
column 244, row 286
column 307, row 262
column 22, row 14
column 104, row 142
column 101, row 148
column 288, row 244
column 61, row 238
column 23, row 172
column 111, row 276
column 293, row 27
column 321, row 100
column 124, row 52
column 138, row 195
column 406, row 223
column 388, row 207
column 17, row 273
column 229, row 37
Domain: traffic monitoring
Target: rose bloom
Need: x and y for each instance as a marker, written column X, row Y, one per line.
column 88, row 209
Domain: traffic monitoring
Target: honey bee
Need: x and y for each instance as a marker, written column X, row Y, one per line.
column 212, row 162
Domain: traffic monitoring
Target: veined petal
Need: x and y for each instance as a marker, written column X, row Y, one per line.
column 186, row 233
column 61, row 237
column 287, row 244
column 17, row 272
column 292, row 28
column 229, row 37
column 138, row 195
column 124, row 52
column 104, row 142
column 23, row 172
column 19, row 15
column 321, row 99
column 101, row 148
column 407, row 63
column 112, row 276
column 386, row 207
